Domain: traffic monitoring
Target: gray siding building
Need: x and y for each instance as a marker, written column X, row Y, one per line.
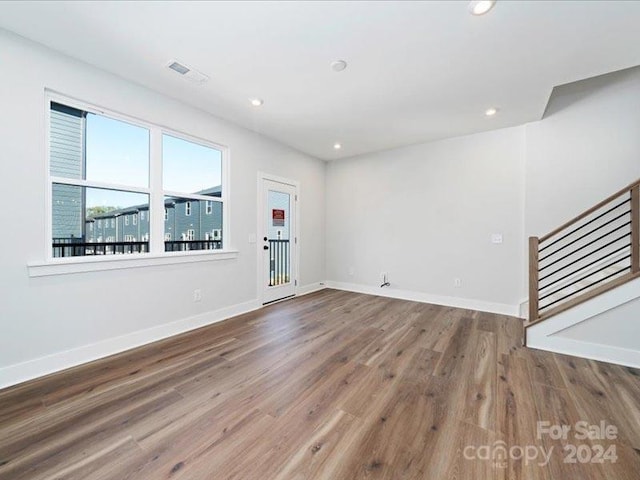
column 67, row 160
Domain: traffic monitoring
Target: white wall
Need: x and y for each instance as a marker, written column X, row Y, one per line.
column 425, row 215
column 49, row 315
column 586, row 148
column 618, row 327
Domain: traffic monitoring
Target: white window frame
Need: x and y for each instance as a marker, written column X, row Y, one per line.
column 187, row 208
column 156, row 256
column 135, row 219
column 208, row 207
column 126, row 220
column 113, row 222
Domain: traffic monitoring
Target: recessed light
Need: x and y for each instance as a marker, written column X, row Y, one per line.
column 490, row 112
column 480, row 7
column 338, row 65
column 257, row 102
column 337, row 146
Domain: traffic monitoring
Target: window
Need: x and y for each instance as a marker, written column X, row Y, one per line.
column 101, row 165
column 192, row 175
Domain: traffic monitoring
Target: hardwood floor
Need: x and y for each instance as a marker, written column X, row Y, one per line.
column 333, row 385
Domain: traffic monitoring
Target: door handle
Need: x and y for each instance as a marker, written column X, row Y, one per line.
column 266, row 247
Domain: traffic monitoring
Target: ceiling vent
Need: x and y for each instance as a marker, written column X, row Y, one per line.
column 187, row 72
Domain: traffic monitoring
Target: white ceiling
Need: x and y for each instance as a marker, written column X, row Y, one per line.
column 418, row 71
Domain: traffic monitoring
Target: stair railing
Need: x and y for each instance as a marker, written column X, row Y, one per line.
column 591, row 254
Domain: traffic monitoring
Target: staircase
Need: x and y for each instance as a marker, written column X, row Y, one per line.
column 576, row 270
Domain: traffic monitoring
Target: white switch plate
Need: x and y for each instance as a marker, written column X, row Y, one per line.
column 252, row 238
column 496, row 238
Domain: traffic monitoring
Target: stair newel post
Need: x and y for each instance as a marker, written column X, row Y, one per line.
column 533, row 278
column 635, row 228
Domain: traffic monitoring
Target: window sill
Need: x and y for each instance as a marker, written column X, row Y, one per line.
column 65, row 266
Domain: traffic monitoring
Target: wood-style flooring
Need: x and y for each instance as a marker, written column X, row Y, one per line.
column 332, row 385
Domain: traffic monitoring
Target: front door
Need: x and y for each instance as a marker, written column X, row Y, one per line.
column 279, row 240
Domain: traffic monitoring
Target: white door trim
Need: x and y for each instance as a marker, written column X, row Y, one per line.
column 260, row 273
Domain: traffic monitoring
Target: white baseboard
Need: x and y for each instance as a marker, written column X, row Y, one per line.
column 523, row 308
column 593, row 351
column 470, row 304
column 312, row 287
column 39, row 367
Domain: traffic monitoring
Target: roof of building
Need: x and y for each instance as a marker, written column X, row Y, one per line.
column 212, row 192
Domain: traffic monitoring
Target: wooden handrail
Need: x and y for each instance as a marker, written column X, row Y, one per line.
column 584, row 214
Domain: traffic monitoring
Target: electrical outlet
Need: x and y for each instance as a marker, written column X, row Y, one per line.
column 197, row 295
column 457, row 282
column 352, row 271
column 384, row 277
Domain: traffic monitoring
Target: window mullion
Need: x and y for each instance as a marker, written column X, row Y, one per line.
column 102, row 185
column 157, row 197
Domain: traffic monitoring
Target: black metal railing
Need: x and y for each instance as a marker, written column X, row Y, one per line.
column 76, row 247
column 188, row 245
column 80, row 249
column 585, row 256
column 279, row 262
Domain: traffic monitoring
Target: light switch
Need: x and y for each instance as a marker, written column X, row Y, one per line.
column 496, row 238
column 252, row 238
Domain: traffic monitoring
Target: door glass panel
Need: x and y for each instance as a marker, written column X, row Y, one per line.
column 278, row 232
